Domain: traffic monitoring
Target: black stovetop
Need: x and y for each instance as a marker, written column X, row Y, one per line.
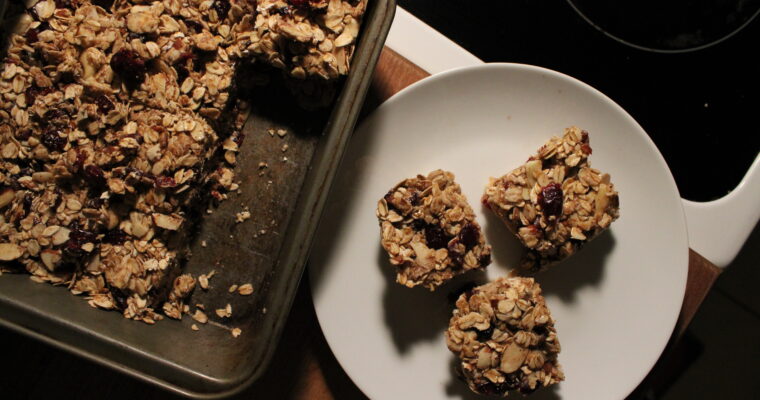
column 700, row 107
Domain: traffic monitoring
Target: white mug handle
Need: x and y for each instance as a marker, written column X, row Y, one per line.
column 719, row 228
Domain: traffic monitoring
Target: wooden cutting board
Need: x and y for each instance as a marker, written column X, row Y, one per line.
column 303, row 366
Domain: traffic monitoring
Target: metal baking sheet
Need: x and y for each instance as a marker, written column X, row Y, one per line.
column 269, row 250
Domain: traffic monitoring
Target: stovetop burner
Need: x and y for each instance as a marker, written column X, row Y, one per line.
column 670, row 25
column 699, row 104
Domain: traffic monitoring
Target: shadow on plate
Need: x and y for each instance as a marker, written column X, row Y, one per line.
column 458, row 389
column 416, row 315
column 586, row 268
column 506, row 250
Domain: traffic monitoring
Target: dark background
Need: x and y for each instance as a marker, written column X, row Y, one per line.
column 698, row 106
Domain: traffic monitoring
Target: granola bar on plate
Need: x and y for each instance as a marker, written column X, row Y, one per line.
column 504, row 336
column 429, row 231
column 555, row 202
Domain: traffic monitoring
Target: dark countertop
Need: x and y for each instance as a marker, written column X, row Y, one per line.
column 699, row 106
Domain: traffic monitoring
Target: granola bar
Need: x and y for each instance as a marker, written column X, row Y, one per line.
column 505, row 339
column 555, row 202
column 304, row 38
column 429, row 231
column 95, row 183
column 174, row 55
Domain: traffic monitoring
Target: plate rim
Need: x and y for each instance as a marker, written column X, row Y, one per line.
column 521, row 67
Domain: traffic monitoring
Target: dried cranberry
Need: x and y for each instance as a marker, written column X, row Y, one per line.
column 550, row 199
column 435, row 237
column 115, row 237
column 165, row 182
column 22, row 135
column 55, row 117
column 94, row 175
column 222, row 7
column 586, row 148
column 81, row 157
column 32, row 35
column 584, row 136
column 78, row 237
column 195, row 25
column 104, row 104
column 33, row 91
column 63, row 4
column 130, row 67
column 469, row 235
column 53, row 141
column 119, row 297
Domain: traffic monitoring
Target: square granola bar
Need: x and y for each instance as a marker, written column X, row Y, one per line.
column 429, row 231
column 555, row 202
column 504, row 336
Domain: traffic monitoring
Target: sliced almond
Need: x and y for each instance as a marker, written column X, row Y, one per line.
column 6, row 197
column 200, row 316
column 513, row 358
column 203, row 281
column 50, row 230
column 60, row 236
column 532, row 169
column 246, row 289
column 169, row 222
column 51, row 258
column 576, row 233
column 10, row 251
column 602, row 201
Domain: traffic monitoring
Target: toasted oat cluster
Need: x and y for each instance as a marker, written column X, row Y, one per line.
column 505, row 339
column 555, row 202
column 305, row 38
column 429, row 231
column 106, row 142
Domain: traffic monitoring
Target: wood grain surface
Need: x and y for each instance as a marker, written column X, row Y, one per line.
column 303, row 366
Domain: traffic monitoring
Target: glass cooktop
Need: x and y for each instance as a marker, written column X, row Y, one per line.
column 685, row 69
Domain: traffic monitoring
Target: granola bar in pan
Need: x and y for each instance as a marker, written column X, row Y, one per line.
column 555, row 202
column 429, row 231
column 115, row 124
column 504, row 336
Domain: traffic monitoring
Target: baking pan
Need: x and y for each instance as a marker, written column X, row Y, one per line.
column 269, row 250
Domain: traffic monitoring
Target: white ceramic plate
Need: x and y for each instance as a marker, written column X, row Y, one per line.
column 615, row 302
